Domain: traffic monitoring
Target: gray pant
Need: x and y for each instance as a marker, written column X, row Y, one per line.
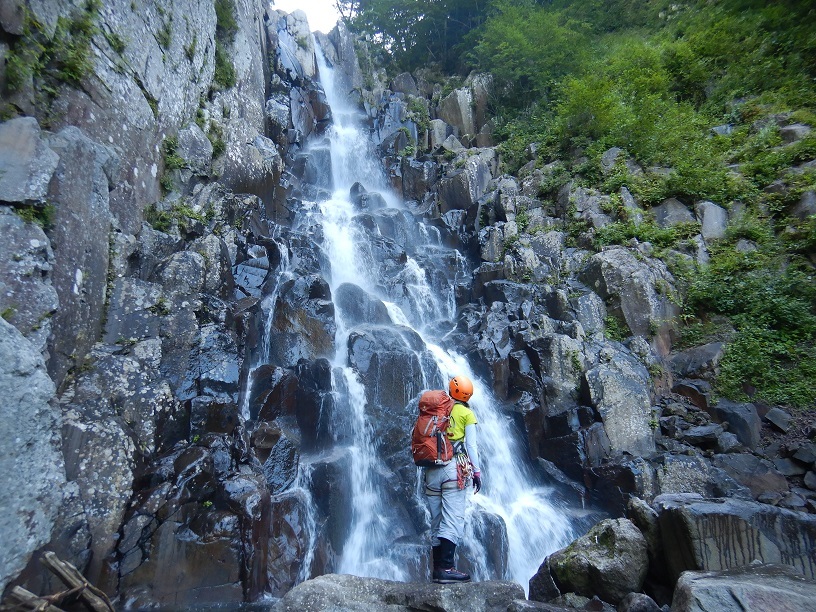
column 447, row 503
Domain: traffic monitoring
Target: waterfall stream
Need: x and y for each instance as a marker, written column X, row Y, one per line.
column 512, row 518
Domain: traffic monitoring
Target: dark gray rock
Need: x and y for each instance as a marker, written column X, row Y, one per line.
column 702, row 436
column 717, row 534
column 27, row 161
column 780, row 419
column 742, row 418
column 389, row 363
column 676, row 473
column 671, row 212
column 789, row 467
column 713, row 219
column 32, row 472
column 542, row 585
column 794, row 132
column 344, row 592
column 462, row 189
column 638, row 602
column 698, row 360
column 303, row 326
column 404, row 83
column 195, row 149
column 609, row 561
column 356, row 306
column 752, row 587
column 759, row 475
column 456, row 109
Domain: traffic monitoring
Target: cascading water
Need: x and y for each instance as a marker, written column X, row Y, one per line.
column 511, row 502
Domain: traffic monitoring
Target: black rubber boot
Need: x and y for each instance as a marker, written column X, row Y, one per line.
column 444, row 572
column 436, row 552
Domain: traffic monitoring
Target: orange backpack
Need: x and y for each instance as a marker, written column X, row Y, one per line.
column 429, row 443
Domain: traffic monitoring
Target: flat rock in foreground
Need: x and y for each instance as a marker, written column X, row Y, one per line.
column 335, row 592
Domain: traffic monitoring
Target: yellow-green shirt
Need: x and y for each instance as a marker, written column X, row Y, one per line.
column 460, row 417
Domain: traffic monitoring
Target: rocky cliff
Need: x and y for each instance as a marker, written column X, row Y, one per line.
column 174, row 422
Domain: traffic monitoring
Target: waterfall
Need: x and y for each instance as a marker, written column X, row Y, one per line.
column 381, row 541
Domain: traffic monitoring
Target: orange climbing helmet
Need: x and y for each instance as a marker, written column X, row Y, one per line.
column 460, row 388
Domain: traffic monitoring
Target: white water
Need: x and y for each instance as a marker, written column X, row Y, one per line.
column 534, row 527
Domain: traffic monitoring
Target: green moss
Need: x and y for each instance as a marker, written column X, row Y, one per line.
column 8, row 313
column 189, row 50
column 115, row 41
column 163, row 36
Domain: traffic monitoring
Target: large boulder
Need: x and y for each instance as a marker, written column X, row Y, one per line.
column 752, row 587
column 456, row 109
column 32, row 472
column 461, row 189
column 390, row 364
column 719, row 534
column 345, row 592
column 610, row 561
column 742, row 418
column 619, row 390
column 640, row 292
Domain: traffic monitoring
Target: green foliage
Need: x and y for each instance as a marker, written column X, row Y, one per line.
column 8, row 313
column 770, row 299
column 616, row 329
column 189, row 50
column 167, row 184
column 115, row 41
column 414, row 33
column 528, row 48
column 163, row 36
column 40, row 215
column 64, row 57
column 224, row 70
column 621, row 232
column 172, row 161
column 226, row 25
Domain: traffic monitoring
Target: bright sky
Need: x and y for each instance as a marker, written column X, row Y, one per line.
column 321, row 13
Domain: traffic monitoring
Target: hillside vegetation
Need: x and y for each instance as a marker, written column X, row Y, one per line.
column 695, row 93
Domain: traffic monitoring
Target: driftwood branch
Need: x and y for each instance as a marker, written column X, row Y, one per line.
column 21, row 600
column 93, row 598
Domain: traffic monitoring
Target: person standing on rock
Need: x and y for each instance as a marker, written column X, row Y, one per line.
column 446, row 486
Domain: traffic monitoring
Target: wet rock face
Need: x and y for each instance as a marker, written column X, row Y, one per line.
column 32, row 472
column 205, row 509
